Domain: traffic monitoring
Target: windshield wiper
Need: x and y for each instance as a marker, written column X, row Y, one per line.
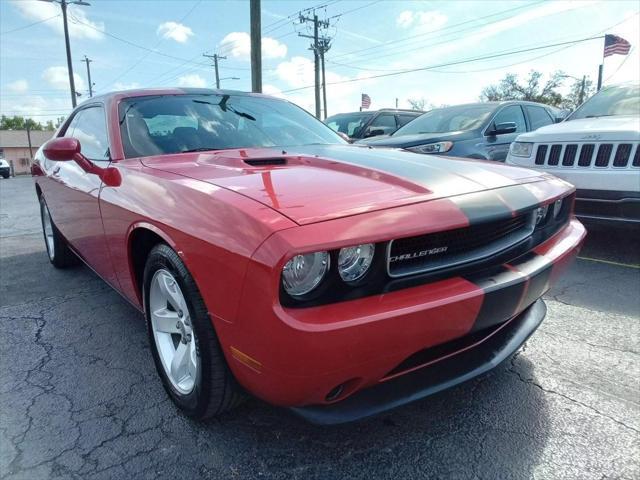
column 598, row 116
column 223, row 105
column 201, row 149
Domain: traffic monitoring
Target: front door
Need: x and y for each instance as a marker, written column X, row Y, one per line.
column 497, row 146
column 72, row 193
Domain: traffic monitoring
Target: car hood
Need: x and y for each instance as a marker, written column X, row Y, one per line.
column 617, row 128
column 406, row 141
column 323, row 182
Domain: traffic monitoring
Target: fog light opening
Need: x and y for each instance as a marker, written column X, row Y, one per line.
column 343, row 390
column 335, row 393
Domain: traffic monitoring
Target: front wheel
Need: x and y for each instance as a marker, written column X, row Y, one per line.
column 185, row 347
column 60, row 255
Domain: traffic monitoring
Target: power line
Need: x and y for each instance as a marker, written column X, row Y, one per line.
column 29, row 25
column 342, row 14
column 459, row 62
column 439, row 31
column 152, row 50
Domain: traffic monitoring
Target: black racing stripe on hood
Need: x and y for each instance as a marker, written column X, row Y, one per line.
column 427, row 171
column 482, row 206
column 518, row 198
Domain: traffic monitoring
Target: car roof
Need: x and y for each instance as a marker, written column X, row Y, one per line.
column 142, row 92
column 393, row 110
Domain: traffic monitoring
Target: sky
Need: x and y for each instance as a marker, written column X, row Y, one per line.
column 135, row 44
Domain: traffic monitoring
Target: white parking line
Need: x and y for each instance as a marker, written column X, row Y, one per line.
column 609, row 262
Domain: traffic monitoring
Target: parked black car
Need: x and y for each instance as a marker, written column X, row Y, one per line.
column 475, row 130
column 357, row 125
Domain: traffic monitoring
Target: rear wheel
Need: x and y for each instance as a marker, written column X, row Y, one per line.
column 185, row 347
column 60, row 255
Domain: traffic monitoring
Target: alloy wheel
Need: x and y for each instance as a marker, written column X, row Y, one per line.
column 47, row 227
column 173, row 332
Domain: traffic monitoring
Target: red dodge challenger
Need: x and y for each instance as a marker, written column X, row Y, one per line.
column 270, row 256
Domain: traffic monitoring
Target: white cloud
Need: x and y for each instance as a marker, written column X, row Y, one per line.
column 19, row 86
column 423, row 20
column 58, row 78
column 175, row 31
column 192, row 80
column 405, row 19
column 238, row 45
column 79, row 24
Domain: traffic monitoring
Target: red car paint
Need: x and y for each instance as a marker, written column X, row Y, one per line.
column 236, row 225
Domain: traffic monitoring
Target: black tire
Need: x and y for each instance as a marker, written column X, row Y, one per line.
column 61, row 256
column 5, row 175
column 215, row 390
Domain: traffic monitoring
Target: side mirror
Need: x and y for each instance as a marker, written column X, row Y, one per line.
column 62, row 149
column 561, row 115
column 374, row 133
column 502, row 128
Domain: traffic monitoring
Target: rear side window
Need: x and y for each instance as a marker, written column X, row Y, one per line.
column 539, row 117
column 404, row 119
column 512, row 113
column 90, row 128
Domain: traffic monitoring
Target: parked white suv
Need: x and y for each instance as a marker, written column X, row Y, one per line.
column 596, row 149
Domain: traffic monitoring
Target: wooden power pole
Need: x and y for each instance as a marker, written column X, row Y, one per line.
column 215, row 58
column 256, row 47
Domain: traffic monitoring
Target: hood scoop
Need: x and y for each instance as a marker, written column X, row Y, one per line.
column 265, row 162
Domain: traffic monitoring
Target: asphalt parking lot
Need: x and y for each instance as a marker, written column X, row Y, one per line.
column 79, row 397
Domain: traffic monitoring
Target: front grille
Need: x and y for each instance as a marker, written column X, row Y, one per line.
column 554, row 154
column 604, row 152
column 586, row 152
column 541, row 154
column 440, row 250
column 600, row 155
column 622, row 155
column 569, row 155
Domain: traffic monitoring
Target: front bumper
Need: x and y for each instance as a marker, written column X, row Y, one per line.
column 299, row 356
column 447, row 372
column 608, row 206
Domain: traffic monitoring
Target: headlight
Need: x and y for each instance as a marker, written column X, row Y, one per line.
column 438, row 147
column 303, row 273
column 521, row 149
column 354, row 262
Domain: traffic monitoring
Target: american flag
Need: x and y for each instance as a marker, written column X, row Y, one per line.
column 615, row 45
column 366, row 101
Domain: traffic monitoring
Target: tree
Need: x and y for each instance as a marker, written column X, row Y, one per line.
column 419, row 104
column 532, row 89
column 20, row 123
column 577, row 94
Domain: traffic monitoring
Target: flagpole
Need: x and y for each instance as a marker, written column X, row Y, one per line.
column 601, row 66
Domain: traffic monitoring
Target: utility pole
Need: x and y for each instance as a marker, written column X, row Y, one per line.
column 63, row 5
column 215, row 58
column 256, row 46
column 324, row 47
column 28, row 125
column 316, row 52
column 87, row 60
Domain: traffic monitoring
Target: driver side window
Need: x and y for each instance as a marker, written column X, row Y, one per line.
column 90, row 128
column 512, row 113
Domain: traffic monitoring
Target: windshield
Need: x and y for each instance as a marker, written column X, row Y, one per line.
column 450, row 119
column 620, row 100
column 157, row 125
column 351, row 124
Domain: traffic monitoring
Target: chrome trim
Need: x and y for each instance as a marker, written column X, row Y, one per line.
column 478, row 254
